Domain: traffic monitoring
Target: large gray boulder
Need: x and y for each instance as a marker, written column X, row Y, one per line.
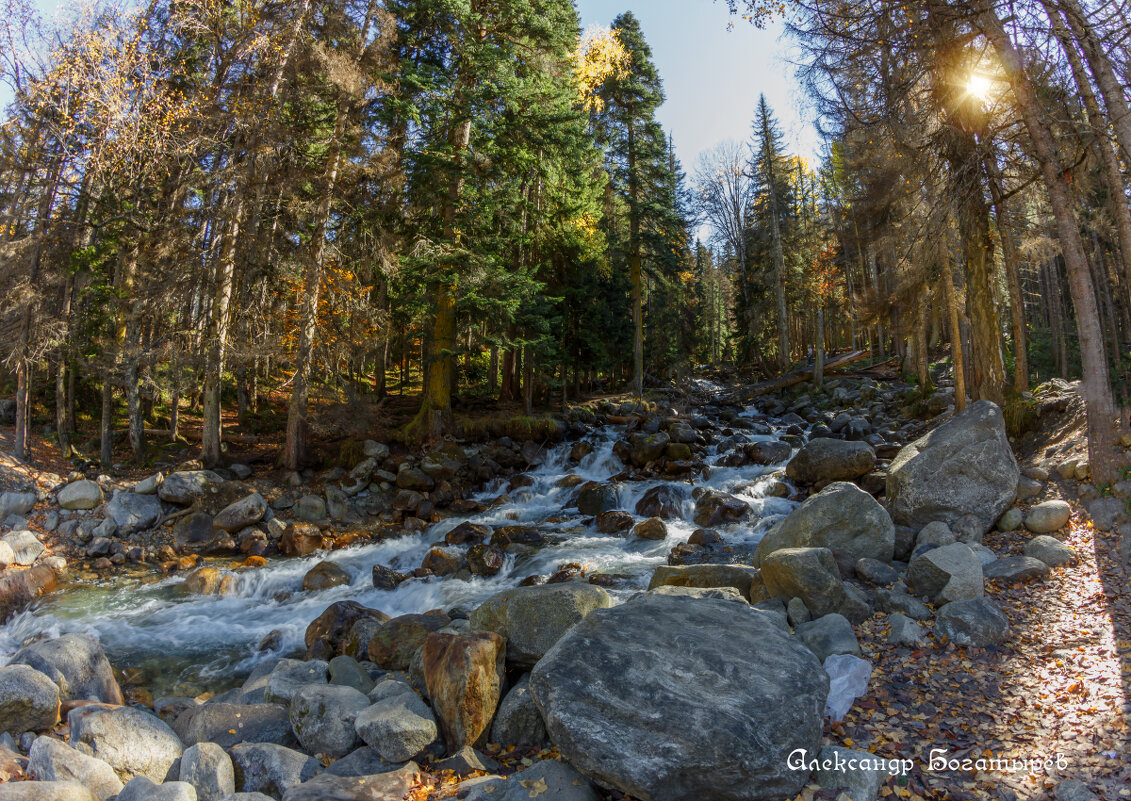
column 323, row 715
column 965, row 466
column 517, row 720
column 532, row 619
column 548, row 779
column 1050, row 550
column 1047, row 517
column 51, row 760
column 133, row 742
column 16, row 503
column 45, row 791
column 82, row 494
column 950, row 573
column 810, row 574
column 269, row 768
column 392, row 786
column 978, row 623
column 132, row 512
column 289, row 675
column 187, row 486
column 842, row 517
column 825, row 459
column 243, row 513
column 29, row 700
column 397, row 727
column 208, row 768
column 77, row 664
column 669, row 698
column 230, row 724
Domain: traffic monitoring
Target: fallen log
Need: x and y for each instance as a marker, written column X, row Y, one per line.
column 796, row 377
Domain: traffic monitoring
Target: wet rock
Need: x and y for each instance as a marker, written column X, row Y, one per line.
column 301, row 539
column 464, row 677
column 133, row 742
column 385, row 578
column 978, row 623
column 1044, row 518
column 506, row 536
column 596, row 498
column 393, row 645
column 704, row 536
column 323, row 715
column 714, row 508
column 828, row 635
column 651, row 529
column 1050, row 550
column 517, row 720
column 830, row 460
column 84, row 494
column 704, row 720
column 323, row 576
column 664, row 501
column 485, row 560
column 614, row 522
column 810, row 574
column 644, row 447
column 843, row 518
column 1015, row 569
column 392, row 786
column 243, row 513
column 965, row 466
column 78, row 666
column 444, row 561
column 467, row 534
column 231, row 724
column 532, row 619
column 208, row 768
column 20, row 587
column 29, row 700
column 51, row 760
column 270, row 769
column 950, row 573
column 209, row 581
column 334, row 626
column 398, row 727
column 185, row 487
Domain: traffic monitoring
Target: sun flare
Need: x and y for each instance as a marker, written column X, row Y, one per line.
column 979, row 86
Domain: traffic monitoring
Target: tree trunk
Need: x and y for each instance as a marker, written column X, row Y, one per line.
column 955, row 336
column 1012, row 265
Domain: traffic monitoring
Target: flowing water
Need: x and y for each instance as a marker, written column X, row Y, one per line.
column 186, row 643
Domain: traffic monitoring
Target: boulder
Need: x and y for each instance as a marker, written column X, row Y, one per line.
column 644, row 447
column 77, row 664
column 290, row 675
column 978, row 623
column 950, row 573
column 810, row 574
column 596, row 498
column 231, row 724
column 825, row 459
column 828, row 635
column 392, row 786
column 16, row 503
column 243, row 513
column 1047, row 517
column 45, row 791
column 21, row 587
column 348, row 672
column 196, row 533
column 464, row 677
column 720, row 593
column 385, row 578
column 965, row 466
column 714, row 508
column 185, row 487
column 485, row 560
column 26, row 548
column 323, row 576
column 715, row 717
column 651, row 529
column 860, row 774
column 132, row 741
column 29, row 700
column 208, row 768
column 664, row 501
column 1015, row 569
column 301, row 539
column 270, row 769
column 393, row 645
column 398, row 727
column 322, row 717
column 334, row 625
column 84, row 494
column 517, row 720
column 51, row 760
column 532, row 619
column 740, row 577
column 548, row 779
column 1050, row 550
column 614, row 522
column 141, row 788
column 843, row 518
column 904, row 630
column 132, row 512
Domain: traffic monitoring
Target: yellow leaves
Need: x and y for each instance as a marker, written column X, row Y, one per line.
column 600, row 56
column 535, row 786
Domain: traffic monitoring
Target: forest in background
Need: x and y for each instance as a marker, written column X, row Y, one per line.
column 207, row 204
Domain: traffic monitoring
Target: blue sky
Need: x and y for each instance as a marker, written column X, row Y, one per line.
column 712, row 76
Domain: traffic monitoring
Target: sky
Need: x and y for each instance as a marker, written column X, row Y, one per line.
column 712, row 76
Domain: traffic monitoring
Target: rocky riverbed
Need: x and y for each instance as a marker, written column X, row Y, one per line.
column 664, row 603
